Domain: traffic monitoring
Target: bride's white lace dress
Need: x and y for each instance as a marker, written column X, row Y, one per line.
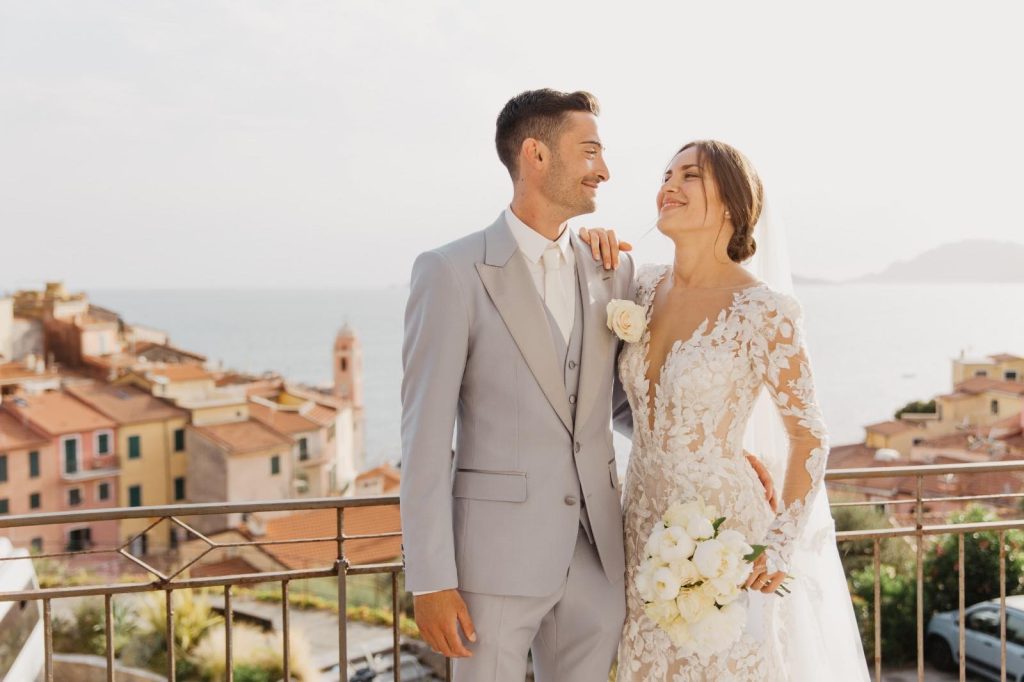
column 687, row 444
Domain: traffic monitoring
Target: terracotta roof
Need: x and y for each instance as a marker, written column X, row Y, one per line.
column 124, row 404
column 283, row 421
column 392, row 476
column 18, row 370
column 145, row 346
column 1005, row 357
column 891, row 428
column 247, row 436
column 14, row 435
column 231, row 566
column 956, row 396
column 322, row 415
column 323, row 523
column 318, row 397
column 856, row 456
column 984, row 384
column 58, row 413
column 115, row 360
column 183, row 372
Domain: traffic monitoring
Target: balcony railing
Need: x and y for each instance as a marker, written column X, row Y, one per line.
column 168, row 581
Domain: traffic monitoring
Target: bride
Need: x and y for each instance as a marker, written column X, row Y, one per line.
column 718, row 336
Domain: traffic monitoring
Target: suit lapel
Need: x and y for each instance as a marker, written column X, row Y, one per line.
column 511, row 288
column 597, row 338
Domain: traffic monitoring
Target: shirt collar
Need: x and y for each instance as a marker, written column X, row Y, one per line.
column 532, row 243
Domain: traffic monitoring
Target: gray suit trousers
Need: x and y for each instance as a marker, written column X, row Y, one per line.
column 573, row 633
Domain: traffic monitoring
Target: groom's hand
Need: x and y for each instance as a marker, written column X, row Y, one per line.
column 766, row 481
column 604, row 245
column 438, row 616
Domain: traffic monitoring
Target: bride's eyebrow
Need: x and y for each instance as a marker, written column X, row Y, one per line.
column 668, row 172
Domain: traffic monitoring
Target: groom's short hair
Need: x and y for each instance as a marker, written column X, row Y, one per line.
column 538, row 114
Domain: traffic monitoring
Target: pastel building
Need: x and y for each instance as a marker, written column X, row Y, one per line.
column 82, row 450
column 29, row 483
column 237, row 461
column 154, row 463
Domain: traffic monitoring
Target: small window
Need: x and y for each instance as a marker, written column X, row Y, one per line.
column 37, row 545
column 179, row 440
column 33, row 464
column 79, row 539
column 179, row 488
column 71, row 456
column 35, row 501
column 1010, row 375
column 994, row 407
column 985, row 621
column 75, row 497
column 344, row 364
column 303, row 449
column 980, row 373
column 5, row 506
column 3, row 468
column 102, row 443
column 275, row 465
column 103, row 491
column 134, row 447
column 135, row 496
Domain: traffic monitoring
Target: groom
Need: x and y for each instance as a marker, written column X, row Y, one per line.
column 516, row 542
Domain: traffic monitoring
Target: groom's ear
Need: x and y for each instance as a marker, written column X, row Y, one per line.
column 534, row 151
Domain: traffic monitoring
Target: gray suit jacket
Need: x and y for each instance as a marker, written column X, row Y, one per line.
column 502, row 515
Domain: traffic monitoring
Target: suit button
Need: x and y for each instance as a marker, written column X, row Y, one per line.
column 572, row 364
column 572, row 400
column 577, row 447
column 570, row 500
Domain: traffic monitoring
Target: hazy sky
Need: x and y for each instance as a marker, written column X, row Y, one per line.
column 202, row 143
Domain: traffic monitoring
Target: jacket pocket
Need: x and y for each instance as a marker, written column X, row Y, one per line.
column 497, row 486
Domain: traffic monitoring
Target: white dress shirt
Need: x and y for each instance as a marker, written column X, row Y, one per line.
column 561, row 296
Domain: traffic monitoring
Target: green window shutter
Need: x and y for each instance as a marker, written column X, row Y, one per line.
column 275, row 465
column 179, row 440
column 34, row 501
column 71, row 456
column 103, row 444
column 134, row 447
column 135, row 496
column 3, row 468
column 179, row 488
column 33, row 464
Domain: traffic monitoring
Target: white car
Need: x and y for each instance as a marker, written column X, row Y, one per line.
column 981, row 639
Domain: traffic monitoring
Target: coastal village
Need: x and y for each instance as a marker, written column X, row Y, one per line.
column 97, row 413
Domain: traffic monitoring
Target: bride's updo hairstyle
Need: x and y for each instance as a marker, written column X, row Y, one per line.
column 739, row 188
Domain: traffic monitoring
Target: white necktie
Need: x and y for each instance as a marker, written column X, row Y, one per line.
column 554, row 292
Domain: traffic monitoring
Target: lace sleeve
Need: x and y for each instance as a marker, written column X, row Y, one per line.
column 784, row 365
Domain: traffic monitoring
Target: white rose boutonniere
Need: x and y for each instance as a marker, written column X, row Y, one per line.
column 627, row 319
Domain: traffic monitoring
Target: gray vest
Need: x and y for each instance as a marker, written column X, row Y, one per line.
column 569, row 355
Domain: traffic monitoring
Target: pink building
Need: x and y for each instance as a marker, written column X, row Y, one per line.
column 81, row 449
column 29, row 482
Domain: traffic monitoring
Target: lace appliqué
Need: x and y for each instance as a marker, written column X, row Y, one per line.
column 688, row 443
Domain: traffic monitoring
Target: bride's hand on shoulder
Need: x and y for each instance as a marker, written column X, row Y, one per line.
column 604, row 245
column 763, row 581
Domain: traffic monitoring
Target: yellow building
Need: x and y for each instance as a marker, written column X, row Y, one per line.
column 1003, row 366
column 154, row 462
column 896, row 435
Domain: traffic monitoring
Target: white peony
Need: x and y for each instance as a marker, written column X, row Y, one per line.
column 666, row 584
column 686, row 571
column 694, row 604
column 711, row 558
column 627, row 319
column 700, row 527
column 675, row 544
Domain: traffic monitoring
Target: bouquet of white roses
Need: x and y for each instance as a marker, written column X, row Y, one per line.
column 691, row 580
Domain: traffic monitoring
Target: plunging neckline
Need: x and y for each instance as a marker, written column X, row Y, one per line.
column 700, row 333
